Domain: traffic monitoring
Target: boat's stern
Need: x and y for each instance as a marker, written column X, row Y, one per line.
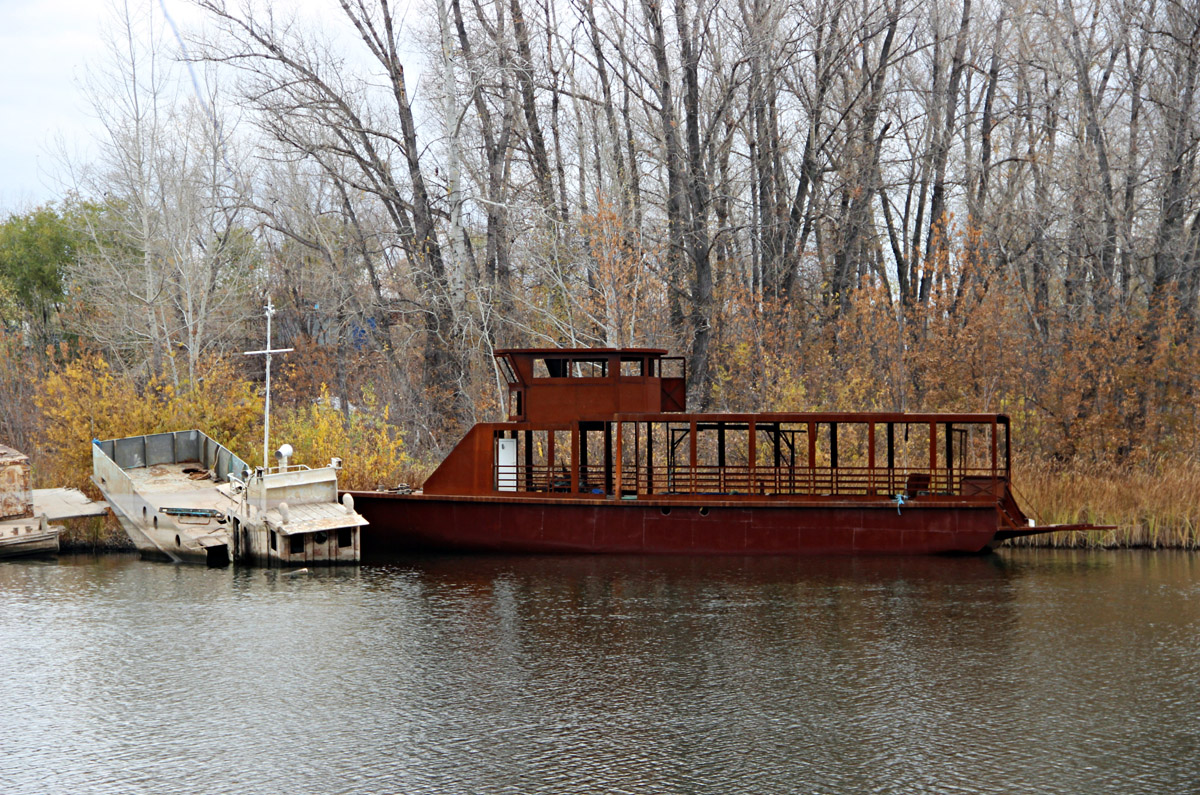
column 1015, row 523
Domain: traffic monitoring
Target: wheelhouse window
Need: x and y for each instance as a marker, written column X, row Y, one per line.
column 589, row 368
column 296, row 545
column 506, row 369
column 553, row 367
column 670, row 367
column 633, row 367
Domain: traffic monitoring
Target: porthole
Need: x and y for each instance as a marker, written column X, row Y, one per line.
column 666, row 511
column 704, row 511
column 177, row 541
column 320, row 536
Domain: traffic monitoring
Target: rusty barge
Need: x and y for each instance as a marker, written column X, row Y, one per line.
column 598, row 455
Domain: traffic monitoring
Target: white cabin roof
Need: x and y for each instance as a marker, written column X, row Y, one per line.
column 313, row 517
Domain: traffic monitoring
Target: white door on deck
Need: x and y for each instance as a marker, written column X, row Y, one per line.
column 506, row 464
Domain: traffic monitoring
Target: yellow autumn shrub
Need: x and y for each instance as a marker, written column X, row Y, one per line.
column 84, row 400
column 371, row 447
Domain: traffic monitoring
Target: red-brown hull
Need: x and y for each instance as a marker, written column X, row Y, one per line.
column 406, row 523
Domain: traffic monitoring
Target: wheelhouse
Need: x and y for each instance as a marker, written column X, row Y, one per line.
column 563, row 384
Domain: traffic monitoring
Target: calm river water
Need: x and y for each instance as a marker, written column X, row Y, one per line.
column 1046, row 672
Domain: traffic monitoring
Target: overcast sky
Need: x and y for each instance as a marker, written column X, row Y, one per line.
column 46, row 47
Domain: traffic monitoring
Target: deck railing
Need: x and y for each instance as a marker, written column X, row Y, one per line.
column 746, row 480
column 822, row 481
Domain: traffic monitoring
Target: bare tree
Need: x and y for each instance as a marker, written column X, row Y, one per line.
column 171, row 258
column 309, row 103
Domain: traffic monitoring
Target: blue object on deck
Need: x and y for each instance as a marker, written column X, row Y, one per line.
column 210, row 513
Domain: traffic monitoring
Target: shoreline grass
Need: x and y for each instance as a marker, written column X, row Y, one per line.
column 1155, row 506
column 94, row 534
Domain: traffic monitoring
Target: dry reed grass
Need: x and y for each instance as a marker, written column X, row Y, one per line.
column 1155, row 506
column 417, row 473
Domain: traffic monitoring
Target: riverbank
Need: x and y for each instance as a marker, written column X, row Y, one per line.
column 94, row 534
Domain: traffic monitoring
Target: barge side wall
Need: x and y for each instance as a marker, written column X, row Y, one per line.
column 402, row 524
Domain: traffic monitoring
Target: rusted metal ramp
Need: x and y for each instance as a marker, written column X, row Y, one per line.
column 1015, row 523
column 1035, row 530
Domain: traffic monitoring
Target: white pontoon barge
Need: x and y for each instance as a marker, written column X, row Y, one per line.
column 182, row 496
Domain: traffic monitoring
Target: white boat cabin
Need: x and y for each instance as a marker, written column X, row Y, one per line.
column 289, row 515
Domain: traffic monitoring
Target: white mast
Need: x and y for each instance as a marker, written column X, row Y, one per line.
column 267, row 399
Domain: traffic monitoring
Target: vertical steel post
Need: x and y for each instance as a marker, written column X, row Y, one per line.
column 270, row 311
column 721, row 455
column 993, row 452
column 949, row 457
column 871, row 458
column 578, row 451
column 650, row 457
column 619, row 463
column 833, row 457
column 752, row 429
column 692, row 455
column 812, row 457
column 932, row 454
column 608, row 458
column 529, row 479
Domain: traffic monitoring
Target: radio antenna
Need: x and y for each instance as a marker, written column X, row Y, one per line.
column 270, row 309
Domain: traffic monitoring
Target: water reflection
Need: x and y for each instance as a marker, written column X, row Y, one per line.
column 1043, row 671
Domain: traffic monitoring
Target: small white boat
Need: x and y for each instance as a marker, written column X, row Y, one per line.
column 31, row 536
column 289, row 515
